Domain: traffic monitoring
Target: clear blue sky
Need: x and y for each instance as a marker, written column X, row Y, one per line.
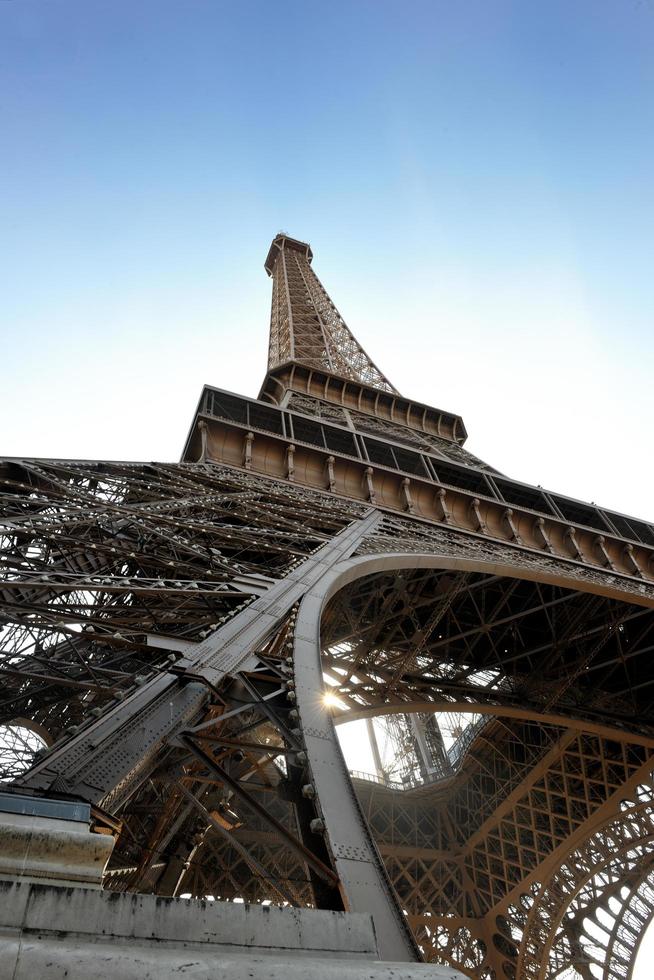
column 475, row 177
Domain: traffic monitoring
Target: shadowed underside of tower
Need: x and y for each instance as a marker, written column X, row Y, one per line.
column 169, row 631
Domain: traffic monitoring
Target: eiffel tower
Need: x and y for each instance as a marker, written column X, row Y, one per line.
column 181, row 641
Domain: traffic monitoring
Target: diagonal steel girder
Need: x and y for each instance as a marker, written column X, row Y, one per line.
column 106, row 761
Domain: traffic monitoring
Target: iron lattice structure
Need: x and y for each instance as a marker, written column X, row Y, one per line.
column 167, row 631
column 305, row 325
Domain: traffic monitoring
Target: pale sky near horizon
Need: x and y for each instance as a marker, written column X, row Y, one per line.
column 475, row 179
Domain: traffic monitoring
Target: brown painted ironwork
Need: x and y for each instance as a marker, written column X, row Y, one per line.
column 333, row 513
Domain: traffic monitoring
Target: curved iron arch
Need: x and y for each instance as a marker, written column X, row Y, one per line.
column 350, row 838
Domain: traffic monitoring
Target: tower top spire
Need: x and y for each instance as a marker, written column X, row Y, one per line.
column 305, row 326
column 283, row 241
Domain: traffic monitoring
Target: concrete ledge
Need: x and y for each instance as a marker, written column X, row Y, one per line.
column 50, row 840
column 90, row 915
column 66, row 960
column 57, row 933
column 61, row 851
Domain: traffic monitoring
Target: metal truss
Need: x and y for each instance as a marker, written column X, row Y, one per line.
column 120, row 575
column 165, row 631
column 584, row 918
column 111, row 571
column 568, row 731
column 305, row 325
column 439, row 640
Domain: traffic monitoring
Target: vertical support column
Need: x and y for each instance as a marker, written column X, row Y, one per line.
column 364, row 882
column 406, row 493
column 331, row 478
column 247, row 450
column 374, row 745
column 290, row 462
column 442, row 506
column 369, row 484
column 202, row 426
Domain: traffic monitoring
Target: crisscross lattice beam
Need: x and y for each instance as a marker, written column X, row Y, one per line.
column 305, row 326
